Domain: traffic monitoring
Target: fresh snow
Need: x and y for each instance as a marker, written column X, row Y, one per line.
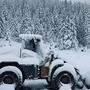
column 7, row 87
column 12, row 53
column 65, row 87
column 30, row 36
column 78, row 59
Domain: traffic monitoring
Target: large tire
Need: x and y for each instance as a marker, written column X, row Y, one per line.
column 11, row 74
column 62, row 78
column 9, row 78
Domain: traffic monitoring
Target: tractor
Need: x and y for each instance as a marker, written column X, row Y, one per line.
column 34, row 61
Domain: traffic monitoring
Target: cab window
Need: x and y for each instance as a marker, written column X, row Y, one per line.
column 30, row 45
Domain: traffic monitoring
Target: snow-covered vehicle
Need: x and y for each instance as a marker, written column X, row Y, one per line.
column 33, row 62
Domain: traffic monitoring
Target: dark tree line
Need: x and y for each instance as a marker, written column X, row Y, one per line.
column 60, row 22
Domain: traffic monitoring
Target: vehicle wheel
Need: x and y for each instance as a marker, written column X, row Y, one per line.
column 9, row 78
column 11, row 74
column 61, row 79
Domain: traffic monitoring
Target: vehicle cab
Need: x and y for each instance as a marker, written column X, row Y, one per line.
column 31, row 45
column 32, row 52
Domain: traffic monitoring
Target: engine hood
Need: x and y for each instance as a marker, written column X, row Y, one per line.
column 13, row 55
column 25, row 61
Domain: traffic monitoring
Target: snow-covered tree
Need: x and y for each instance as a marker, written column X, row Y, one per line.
column 81, row 25
column 58, row 21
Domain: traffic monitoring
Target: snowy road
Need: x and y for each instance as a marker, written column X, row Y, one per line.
column 34, row 85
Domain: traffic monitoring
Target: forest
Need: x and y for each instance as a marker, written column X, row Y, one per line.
column 62, row 23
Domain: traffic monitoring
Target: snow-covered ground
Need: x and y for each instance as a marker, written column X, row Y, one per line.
column 35, row 85
column 7, row 87
column 80, row 60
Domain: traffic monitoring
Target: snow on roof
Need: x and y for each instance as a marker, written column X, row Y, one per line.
column 30, row 36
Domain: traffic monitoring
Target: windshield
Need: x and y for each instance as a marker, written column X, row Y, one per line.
column 30, row 45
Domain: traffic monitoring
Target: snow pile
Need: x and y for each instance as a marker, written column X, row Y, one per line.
column 41, row 82
column 13, row 50
column 78, row 59
column 5, row 43
column 31, row 59
column 12, row 53
column 28, row 53
column 30, row 36
column 66, row 87
column 7, row 87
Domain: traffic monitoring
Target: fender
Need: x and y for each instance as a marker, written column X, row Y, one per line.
column 14, row 69
column 3, row 64
column 53, row 66
column 54, row 69
column 58, row 66
column 66, row 67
